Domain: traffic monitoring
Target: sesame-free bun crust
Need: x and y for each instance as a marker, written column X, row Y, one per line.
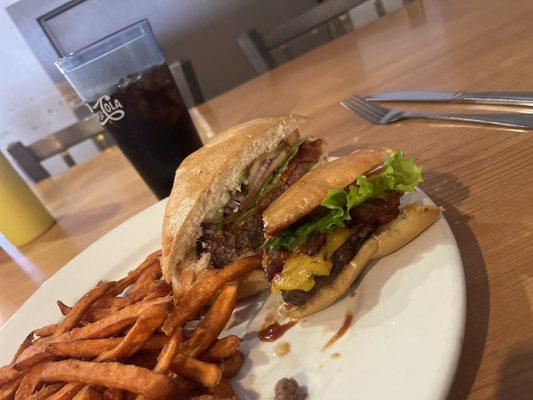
column 309, row 191
column 413, row 220
column 203, row 183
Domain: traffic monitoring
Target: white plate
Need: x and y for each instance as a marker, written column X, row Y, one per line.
column 404, row 342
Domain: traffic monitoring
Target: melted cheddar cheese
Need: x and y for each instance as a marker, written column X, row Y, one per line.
column 299, row 270
column 335, row 239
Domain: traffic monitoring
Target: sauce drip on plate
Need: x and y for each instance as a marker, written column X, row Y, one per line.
column 342, row 330
column 274, row 331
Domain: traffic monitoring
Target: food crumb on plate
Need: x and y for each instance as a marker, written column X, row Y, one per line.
column 282, row 349
column 288, row 389
column 336, row 355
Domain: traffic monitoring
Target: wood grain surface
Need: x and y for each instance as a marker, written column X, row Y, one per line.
column 481, row 175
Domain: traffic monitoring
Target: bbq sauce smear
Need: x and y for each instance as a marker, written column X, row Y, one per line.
column 274, row 331
column 342, row 330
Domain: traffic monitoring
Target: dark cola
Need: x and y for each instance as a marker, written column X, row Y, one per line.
column 150, row 123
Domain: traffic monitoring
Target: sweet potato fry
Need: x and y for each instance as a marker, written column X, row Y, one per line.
column 105, row 327
column 114, row 322
column 132, row 276
column 148, row 322
column 221, row 349
column 166, row 356
column 33, row 355
column 9, row 373
column 89, row 348
column 29, row 383
column 158, row 289
column 47, row 330
column 156, row 342
column 63, row 308
column 168, row 353
column 231, row 366
column 212, row 324
column 108, row 374
column 98, row 313
column 201, row 292
column 28, row 340
column 152, row 273
column 78, row 310
column 207, row 374
column 7, row 390
column 149, row 290
column 89, row 393
column 52, row 329
column 67, row 392
column 112, row 302
column 223, row 390
column 46, row 391
column 92, row 348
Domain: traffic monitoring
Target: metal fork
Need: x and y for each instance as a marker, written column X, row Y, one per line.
column 377, row 114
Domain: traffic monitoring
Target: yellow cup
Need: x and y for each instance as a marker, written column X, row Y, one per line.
column 23, row 217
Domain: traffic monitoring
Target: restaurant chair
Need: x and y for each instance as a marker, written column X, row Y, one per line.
column 338, row 16
column 186, row 80
column 29, row 157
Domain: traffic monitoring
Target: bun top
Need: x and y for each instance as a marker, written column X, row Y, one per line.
column 204, row 180
column 306, row 194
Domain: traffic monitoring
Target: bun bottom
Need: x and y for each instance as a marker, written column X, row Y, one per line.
column 251, row 284
column 413, row 220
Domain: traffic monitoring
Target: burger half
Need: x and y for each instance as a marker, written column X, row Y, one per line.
column 324, row 229
column 213, row 214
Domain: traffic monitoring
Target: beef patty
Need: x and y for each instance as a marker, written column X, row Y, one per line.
column 245, row 236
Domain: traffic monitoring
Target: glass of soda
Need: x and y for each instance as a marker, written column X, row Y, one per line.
column 124, row 79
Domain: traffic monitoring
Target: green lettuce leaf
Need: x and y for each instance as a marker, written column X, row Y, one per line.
column 399, row 174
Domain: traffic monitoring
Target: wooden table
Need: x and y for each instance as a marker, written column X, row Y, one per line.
column 482, row 176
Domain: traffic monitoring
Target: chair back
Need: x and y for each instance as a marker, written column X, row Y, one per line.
column 29, row 157
column 333, row 14
column 185, row 78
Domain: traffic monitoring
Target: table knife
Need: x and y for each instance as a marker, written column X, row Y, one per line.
column 513, row 98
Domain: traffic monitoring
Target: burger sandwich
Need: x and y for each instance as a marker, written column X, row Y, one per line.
column 213, row 214
column 324, row 229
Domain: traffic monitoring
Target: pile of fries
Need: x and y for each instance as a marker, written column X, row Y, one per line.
column 130, row 340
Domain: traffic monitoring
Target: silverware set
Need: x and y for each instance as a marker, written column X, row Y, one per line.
column 370, row 111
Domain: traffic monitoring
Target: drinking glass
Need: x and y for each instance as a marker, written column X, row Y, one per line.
column 124, row 80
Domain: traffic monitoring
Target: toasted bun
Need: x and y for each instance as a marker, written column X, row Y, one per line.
column 308, row 192
column 251, row 284
column 414, row 219
column 203, row 182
